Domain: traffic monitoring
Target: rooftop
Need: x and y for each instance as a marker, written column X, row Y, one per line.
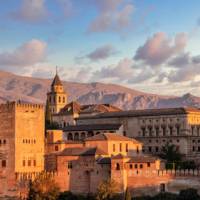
column 92, row 127
column 146, row 112
column 56, row 81
column 81, row 151
column 111, row 137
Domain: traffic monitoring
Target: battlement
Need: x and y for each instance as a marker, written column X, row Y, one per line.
column 10, row 105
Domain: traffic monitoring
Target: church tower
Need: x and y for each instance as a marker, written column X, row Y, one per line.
column 56, row 98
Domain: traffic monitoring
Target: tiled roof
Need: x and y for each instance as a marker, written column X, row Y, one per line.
column 141, row 113
column 142, row 159
column 111, row 137
column 81, row 151
column 75, row 107
column 71, row 108
column 101, row 108
column 106, row 160
column 92, row 127
column 56, row 81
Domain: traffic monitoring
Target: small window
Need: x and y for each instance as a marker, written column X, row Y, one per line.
column 120, row 147
column 4, row 141
column 56, row 148
column 157, row 149
column 24, row 163
column 141, row 166
column 193, row 148
column 131, row 166
column 3, row 163
column 29, row 163
column 113, row 147
column 150, row 149
column 136, row 166
column 148, row 164
column 34, row 163
column 117, row 166
column 162, row 187
column 69, row 165
column 137, row 150
column 126, row 147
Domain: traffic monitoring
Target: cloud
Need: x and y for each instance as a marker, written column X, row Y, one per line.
column 159, row 48
column 122, row 71
column 27, row 54
column 31, row 11
column 113, row 15
column 101, row 53
column 180, row 60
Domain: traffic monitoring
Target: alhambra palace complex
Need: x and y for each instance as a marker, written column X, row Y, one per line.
column 94, row 143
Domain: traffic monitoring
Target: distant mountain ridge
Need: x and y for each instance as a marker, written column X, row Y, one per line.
column 14, row 87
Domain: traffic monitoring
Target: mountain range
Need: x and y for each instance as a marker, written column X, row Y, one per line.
column 14, row 87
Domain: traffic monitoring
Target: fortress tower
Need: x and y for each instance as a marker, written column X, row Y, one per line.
column 56, row 98
column 21, row 143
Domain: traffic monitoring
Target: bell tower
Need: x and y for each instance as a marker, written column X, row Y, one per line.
column 56, row 98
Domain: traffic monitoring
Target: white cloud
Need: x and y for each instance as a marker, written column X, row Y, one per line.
column 29, row 53
column 31, row 11
column 102, row 52
column 159, row 48
column 114, row 15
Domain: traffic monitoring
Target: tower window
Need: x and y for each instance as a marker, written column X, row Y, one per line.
column 63, row 99
column 117, row 166
column 120, row 147
column 3, row 163
column 126, row 147
column 59, row 99
column 29, row 163
column 113, row 147
column 24, row 163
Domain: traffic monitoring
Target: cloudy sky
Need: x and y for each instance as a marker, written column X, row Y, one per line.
column 148, row 45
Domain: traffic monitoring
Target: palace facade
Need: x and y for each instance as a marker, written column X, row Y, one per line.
column 153, row 127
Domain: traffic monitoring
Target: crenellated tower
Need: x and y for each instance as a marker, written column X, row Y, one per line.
column 56, row 98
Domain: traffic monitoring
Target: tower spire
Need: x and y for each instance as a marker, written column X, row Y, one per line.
column 56, row 70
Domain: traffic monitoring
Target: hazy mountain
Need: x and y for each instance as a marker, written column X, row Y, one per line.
column 13, row 87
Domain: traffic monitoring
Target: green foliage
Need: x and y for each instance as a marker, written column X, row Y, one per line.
column 43, row 188
column 70, row 196
column 170, row 153
column 107, row 190
column 189, row 194
column 51, row 125
column 165, row 196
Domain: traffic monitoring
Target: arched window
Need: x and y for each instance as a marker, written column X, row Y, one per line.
column 59, row 99
column 76, row 136
column 150, row 131
column 4, row 141
column 64, row 124
column 82, row 136
column 157, row 131
column 70, row 136
column 143, row 131
column 63, row 99
column 117, row 166
column 171, row 130
column 177, row 129
column 90, row 133
column 164, row 130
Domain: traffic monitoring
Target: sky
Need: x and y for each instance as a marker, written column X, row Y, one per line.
column 147, row 45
